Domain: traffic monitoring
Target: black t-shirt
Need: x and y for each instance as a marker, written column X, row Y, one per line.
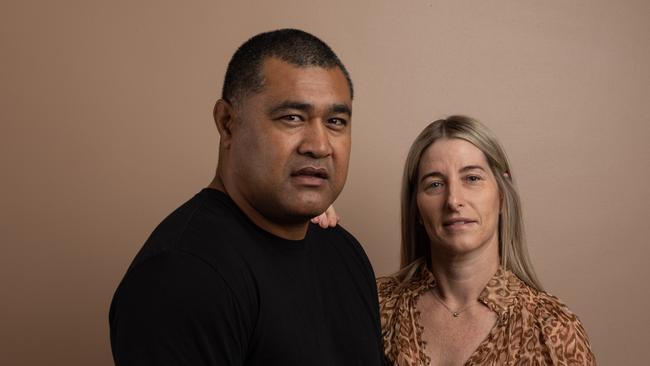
column 211, row 288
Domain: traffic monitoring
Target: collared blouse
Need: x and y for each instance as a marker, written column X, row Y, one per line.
column 532, row 328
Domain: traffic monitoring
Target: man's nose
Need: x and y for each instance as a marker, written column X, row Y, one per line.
column 315, row 140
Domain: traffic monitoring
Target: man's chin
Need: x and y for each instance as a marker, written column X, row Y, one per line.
column 310, row 202
column 300, row 205
column 306, row 211
column 308, row 214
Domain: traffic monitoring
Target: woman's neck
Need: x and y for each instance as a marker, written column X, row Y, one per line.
column 460, row 279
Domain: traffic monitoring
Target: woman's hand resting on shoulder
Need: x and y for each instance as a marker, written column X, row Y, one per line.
column 329, row 218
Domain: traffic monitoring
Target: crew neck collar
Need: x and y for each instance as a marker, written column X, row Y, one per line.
column 224, row 198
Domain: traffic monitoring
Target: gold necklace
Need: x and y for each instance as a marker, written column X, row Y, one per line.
column 455, row 313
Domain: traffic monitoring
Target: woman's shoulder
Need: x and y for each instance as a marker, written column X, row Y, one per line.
column 547, row 308
column 561, row 329
column 398, row 295
column 412, row 279
column 389, row 291
column 387, row 286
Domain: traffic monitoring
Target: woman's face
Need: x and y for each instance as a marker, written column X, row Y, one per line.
column 458, row 197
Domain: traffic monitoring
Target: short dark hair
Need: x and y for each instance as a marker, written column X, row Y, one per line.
column 244, row 73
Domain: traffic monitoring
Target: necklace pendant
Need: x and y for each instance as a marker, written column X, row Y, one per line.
column 455, row 313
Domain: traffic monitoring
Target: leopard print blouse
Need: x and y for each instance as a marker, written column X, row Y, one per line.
column 533, row 327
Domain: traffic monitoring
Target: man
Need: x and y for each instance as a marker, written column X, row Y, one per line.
column 237, row 275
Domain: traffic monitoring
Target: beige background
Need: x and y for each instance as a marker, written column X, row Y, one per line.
column 106, row 127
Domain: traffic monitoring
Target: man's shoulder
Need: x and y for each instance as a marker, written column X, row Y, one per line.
column 337, row 244
column 337, row 239
column 189, row 256
column 336, row 236
column 200, row 241
column 205, row 226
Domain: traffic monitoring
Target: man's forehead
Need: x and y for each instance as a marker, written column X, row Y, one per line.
column 285, row 76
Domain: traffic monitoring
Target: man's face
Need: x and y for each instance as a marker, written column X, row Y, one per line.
column 290, row 146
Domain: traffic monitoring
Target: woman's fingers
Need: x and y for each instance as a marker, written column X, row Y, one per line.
column 329, row 218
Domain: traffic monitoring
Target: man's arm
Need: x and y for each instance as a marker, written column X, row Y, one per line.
column 174, row 309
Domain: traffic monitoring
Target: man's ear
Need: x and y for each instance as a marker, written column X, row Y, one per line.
column 224, row 115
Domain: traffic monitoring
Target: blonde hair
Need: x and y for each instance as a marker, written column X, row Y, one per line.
column 415, row 241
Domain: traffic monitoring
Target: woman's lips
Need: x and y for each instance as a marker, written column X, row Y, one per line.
column 458, row 224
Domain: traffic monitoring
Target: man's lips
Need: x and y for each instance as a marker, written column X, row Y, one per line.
column 312, row 172
column 310, row 176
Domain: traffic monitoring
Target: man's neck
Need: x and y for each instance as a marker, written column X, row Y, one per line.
column 285, row 231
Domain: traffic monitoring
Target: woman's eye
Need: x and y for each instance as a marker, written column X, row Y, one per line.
column 474, row 178
column 435, row 185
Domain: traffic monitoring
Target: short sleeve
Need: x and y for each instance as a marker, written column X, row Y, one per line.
column 174, row 309
column 565, row 338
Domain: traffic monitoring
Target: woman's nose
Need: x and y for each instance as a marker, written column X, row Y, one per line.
column 454, row 197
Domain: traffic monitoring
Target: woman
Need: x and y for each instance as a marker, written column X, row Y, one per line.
column 466, row 293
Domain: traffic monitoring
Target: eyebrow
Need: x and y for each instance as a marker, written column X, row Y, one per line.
column 471, row 167
column 462, row 170
column 336, row 108
column 340, row 109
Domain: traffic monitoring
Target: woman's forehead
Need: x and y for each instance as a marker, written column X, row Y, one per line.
column 452, row 153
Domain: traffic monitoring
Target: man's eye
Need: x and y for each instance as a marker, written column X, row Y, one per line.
column 339, row 122
column 292, row 118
